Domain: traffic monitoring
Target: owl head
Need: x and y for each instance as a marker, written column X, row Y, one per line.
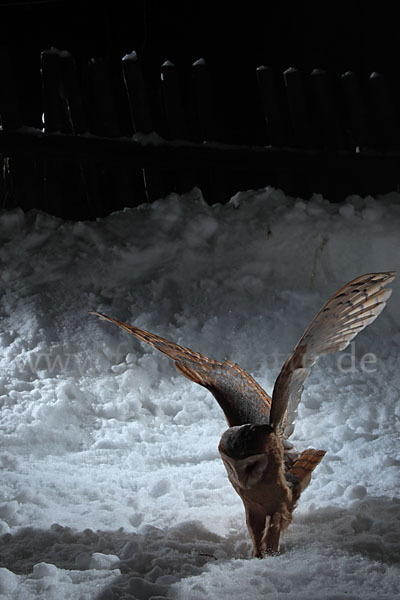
column 244, row 451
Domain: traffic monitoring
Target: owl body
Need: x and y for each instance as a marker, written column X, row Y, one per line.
column 262, row 465
column 259, row 469
column 259, row 479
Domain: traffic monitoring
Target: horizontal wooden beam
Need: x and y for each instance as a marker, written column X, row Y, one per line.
column 184, row 155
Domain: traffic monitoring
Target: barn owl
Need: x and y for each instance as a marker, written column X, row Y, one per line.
column 262, row 465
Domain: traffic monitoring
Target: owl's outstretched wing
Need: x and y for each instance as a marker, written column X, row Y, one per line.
column 241, row 398
column 349, row 311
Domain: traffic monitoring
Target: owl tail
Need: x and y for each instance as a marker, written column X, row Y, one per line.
column 305, row 465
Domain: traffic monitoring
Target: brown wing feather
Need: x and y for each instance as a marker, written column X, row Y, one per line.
column 305, row 465
column 241, row 398
column 349, row 311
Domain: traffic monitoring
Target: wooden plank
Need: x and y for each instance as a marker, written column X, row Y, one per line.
column 269, row 101
column 115, row 181
column 10, row 195
column 327, row 133
column 170, row 155
column 176, row 120
column 104, row 120
column 153, row 181
column 297, row 108
column 173, row 105
column 61, row 181
column 347, row 167
column 9, row 105
column 137, row 94
column 357, row 123
column 72, row 96
column 212, row 182
column 383, row 127
column 382, row 115
column 297, row 179
column 205, row 103
column 71, row 93
column 55, row 116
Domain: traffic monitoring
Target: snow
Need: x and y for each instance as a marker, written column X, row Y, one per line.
column 200, row 62
column 290, row 70
column 56, row 52
column 130, row 56
column 52, row 50
column 112, row 486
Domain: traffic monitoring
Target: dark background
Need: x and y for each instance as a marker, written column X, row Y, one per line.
column 233, row 38
column 339, row 36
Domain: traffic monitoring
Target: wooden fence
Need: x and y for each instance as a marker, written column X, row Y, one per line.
column 321, row 134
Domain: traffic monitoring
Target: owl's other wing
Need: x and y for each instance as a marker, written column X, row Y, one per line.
column 241, row 398
column 349, row 311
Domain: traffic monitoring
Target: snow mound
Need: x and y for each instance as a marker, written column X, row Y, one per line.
column 112, row 486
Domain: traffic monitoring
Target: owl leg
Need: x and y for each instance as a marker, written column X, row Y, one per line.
column 257, row 523
column 272, row 533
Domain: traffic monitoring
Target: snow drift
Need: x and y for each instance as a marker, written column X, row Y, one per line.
column 112, row 482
